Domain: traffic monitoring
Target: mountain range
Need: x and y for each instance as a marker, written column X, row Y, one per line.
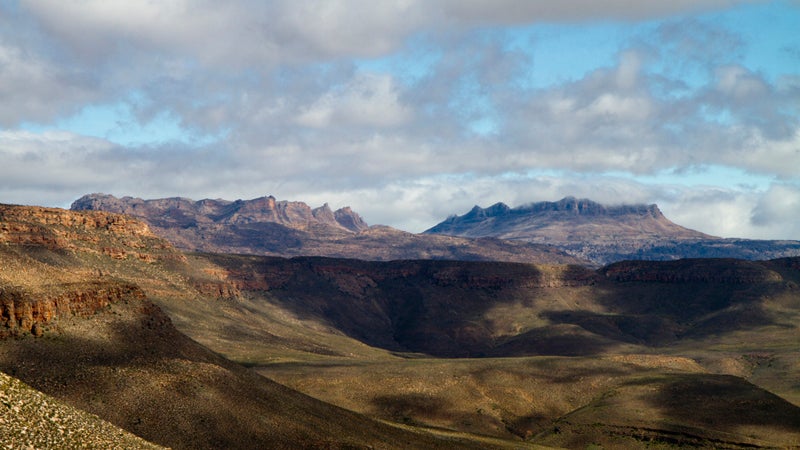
column 105, row 327
column 605, row 234
column 265, row 226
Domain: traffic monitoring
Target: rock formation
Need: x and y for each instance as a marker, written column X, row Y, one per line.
column 605, row 234
column 185, row 213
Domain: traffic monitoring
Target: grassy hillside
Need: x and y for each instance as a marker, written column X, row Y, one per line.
column 30, row 419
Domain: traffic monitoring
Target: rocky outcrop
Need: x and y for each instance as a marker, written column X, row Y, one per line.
column 23, row 312
column 114, row 235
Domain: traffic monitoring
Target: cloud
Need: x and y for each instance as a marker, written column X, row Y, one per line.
column 251, row 33
column 68, row 166
column 525, row 11
column 370, row 100
column 32, row 88
column 778, row 206
column 333, row 98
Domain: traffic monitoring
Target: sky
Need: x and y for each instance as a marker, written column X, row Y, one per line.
column 409, row 110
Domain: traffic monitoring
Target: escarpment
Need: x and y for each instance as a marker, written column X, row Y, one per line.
column 59, row 264
column 25, row 312
column 691, row 271
column 96, row 232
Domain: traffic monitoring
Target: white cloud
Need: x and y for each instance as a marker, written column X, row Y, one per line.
column 523, row 11
column 300, row 119
column 370, row 100
column 776, row 211
column 250, row 33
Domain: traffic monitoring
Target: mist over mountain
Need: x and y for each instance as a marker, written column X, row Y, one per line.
column 604, row 234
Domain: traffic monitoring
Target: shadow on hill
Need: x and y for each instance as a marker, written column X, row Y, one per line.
column 726, row 410
column 423, row 306
column 466, row 309
column 703, row 397
column 659, row 303
column 129, row 366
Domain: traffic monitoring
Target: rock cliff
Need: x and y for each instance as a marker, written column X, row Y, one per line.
column 59, row 264
column 23, row 312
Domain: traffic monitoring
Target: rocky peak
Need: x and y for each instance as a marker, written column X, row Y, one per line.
column 571, row 224
column 349, row 219
column 586, row 207
column 186, row 213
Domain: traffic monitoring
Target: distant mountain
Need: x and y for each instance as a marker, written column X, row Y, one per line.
column 265, row 226
column 604, row 234
column 186, row 213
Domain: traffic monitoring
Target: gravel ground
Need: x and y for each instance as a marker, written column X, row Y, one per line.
column 31, row 420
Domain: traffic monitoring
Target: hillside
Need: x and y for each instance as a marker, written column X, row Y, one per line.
column 30, row 419
column 264, row 226
column 515, row 350
column 605, row 234
column 79, row 325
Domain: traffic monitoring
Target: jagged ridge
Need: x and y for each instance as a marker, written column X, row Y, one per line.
column 568, row 219
column 183, row 212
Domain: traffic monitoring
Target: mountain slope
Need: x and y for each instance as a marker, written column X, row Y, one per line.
column 605, row 234
column 30, row 419
column 79, row 326
column 541, row 343
column 265, row 226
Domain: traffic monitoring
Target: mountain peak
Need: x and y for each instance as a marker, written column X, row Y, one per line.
column 570, row 223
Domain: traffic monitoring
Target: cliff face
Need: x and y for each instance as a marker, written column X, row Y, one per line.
column 725, row 271
column 21, row 312
column 60, row 264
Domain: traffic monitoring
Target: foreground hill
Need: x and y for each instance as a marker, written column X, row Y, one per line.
column 30, row 419
column 265, row 226
column 78, row 324
column 605, row 233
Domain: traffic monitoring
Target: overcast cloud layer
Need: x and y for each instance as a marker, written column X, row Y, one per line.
column 409, row 111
